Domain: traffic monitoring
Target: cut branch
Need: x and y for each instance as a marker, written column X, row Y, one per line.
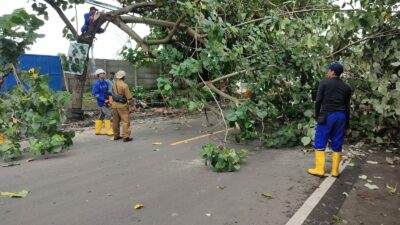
column 221, row 93
column 167, row 39
column 64, row 18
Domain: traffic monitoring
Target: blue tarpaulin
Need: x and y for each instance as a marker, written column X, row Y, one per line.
column 50, row 65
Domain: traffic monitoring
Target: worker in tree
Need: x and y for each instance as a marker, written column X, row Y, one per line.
column 103, row 96
column 90, row 18
column 332, row 111
column 122, row 98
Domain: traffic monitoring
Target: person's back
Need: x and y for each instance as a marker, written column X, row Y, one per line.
column 332, row 112
column 333, row 94
column 122, row 97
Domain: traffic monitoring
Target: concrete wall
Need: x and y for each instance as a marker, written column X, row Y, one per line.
column 145, row 76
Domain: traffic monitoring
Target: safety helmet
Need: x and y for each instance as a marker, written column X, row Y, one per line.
column 99, row 71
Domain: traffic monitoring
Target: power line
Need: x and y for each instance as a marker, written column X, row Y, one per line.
column 102, row 5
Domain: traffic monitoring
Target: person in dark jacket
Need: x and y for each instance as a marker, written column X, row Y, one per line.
column 89, row 18
column 332, row 111
column 103, row 95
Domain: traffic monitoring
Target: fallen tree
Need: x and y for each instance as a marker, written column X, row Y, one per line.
column 278, row 48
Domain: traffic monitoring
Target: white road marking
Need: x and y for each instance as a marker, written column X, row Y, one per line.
column 301, row 215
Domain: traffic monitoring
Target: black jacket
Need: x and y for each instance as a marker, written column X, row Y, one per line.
column 333, row 96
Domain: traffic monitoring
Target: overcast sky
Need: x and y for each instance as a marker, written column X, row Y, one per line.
column 106, row 46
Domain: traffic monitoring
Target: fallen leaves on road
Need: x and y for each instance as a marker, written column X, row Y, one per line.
column 21, row 194
column 364, row 177
column 391, row 190
column 138, row 206
column 372, row 162
column 266, row 195
column 371, row 186
column 390, row 160
column 30, row 160
column 338, row 219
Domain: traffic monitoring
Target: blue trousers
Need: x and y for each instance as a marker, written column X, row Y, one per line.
column 333, row 129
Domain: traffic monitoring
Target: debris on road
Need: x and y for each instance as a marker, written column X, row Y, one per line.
column 157, row 143
column 371, row 186
column 392, row 190
column 221, row 187
column 364, row 177
column 372, row 162
column 138, row 206
column 338, row 219
column 30, row 160
column 11, row 164
column 208, row 214
column 266, row 195
column 345, row 194
column 21, row 194
column 390, row 160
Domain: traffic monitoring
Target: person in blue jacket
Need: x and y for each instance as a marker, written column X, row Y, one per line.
column 103, row 95
column 89, row 18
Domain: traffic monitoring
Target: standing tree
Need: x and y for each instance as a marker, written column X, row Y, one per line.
column 277, row 48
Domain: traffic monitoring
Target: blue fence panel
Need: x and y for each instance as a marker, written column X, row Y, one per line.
column 50, row 65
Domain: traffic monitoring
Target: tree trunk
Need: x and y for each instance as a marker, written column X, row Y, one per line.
column 76, row 111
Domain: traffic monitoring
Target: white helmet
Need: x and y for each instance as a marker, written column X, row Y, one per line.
column 120, row 74
column 99, row 71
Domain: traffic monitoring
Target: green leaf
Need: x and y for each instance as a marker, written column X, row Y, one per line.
column 192, row 106
column 395, row 64
column 266, row 194
column 306, row 140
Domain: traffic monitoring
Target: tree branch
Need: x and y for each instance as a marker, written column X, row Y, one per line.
column 231, row 75
column 378, row 35
column 170, row 34
column 64, row 18
column 163, row 23
column 119, row 23
column 281, row 14
column 221, row 93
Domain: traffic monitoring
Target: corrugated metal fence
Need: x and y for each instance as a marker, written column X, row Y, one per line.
column 145, row 76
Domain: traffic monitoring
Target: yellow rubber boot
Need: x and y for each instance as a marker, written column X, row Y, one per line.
column 335, row 164
column 109, row 130
column 98, row 126
column 319, row 169
column 1, row 139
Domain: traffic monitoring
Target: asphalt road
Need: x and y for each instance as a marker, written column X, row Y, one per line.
column 99, row 181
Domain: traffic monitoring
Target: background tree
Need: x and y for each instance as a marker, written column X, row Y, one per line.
column 279, row 49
